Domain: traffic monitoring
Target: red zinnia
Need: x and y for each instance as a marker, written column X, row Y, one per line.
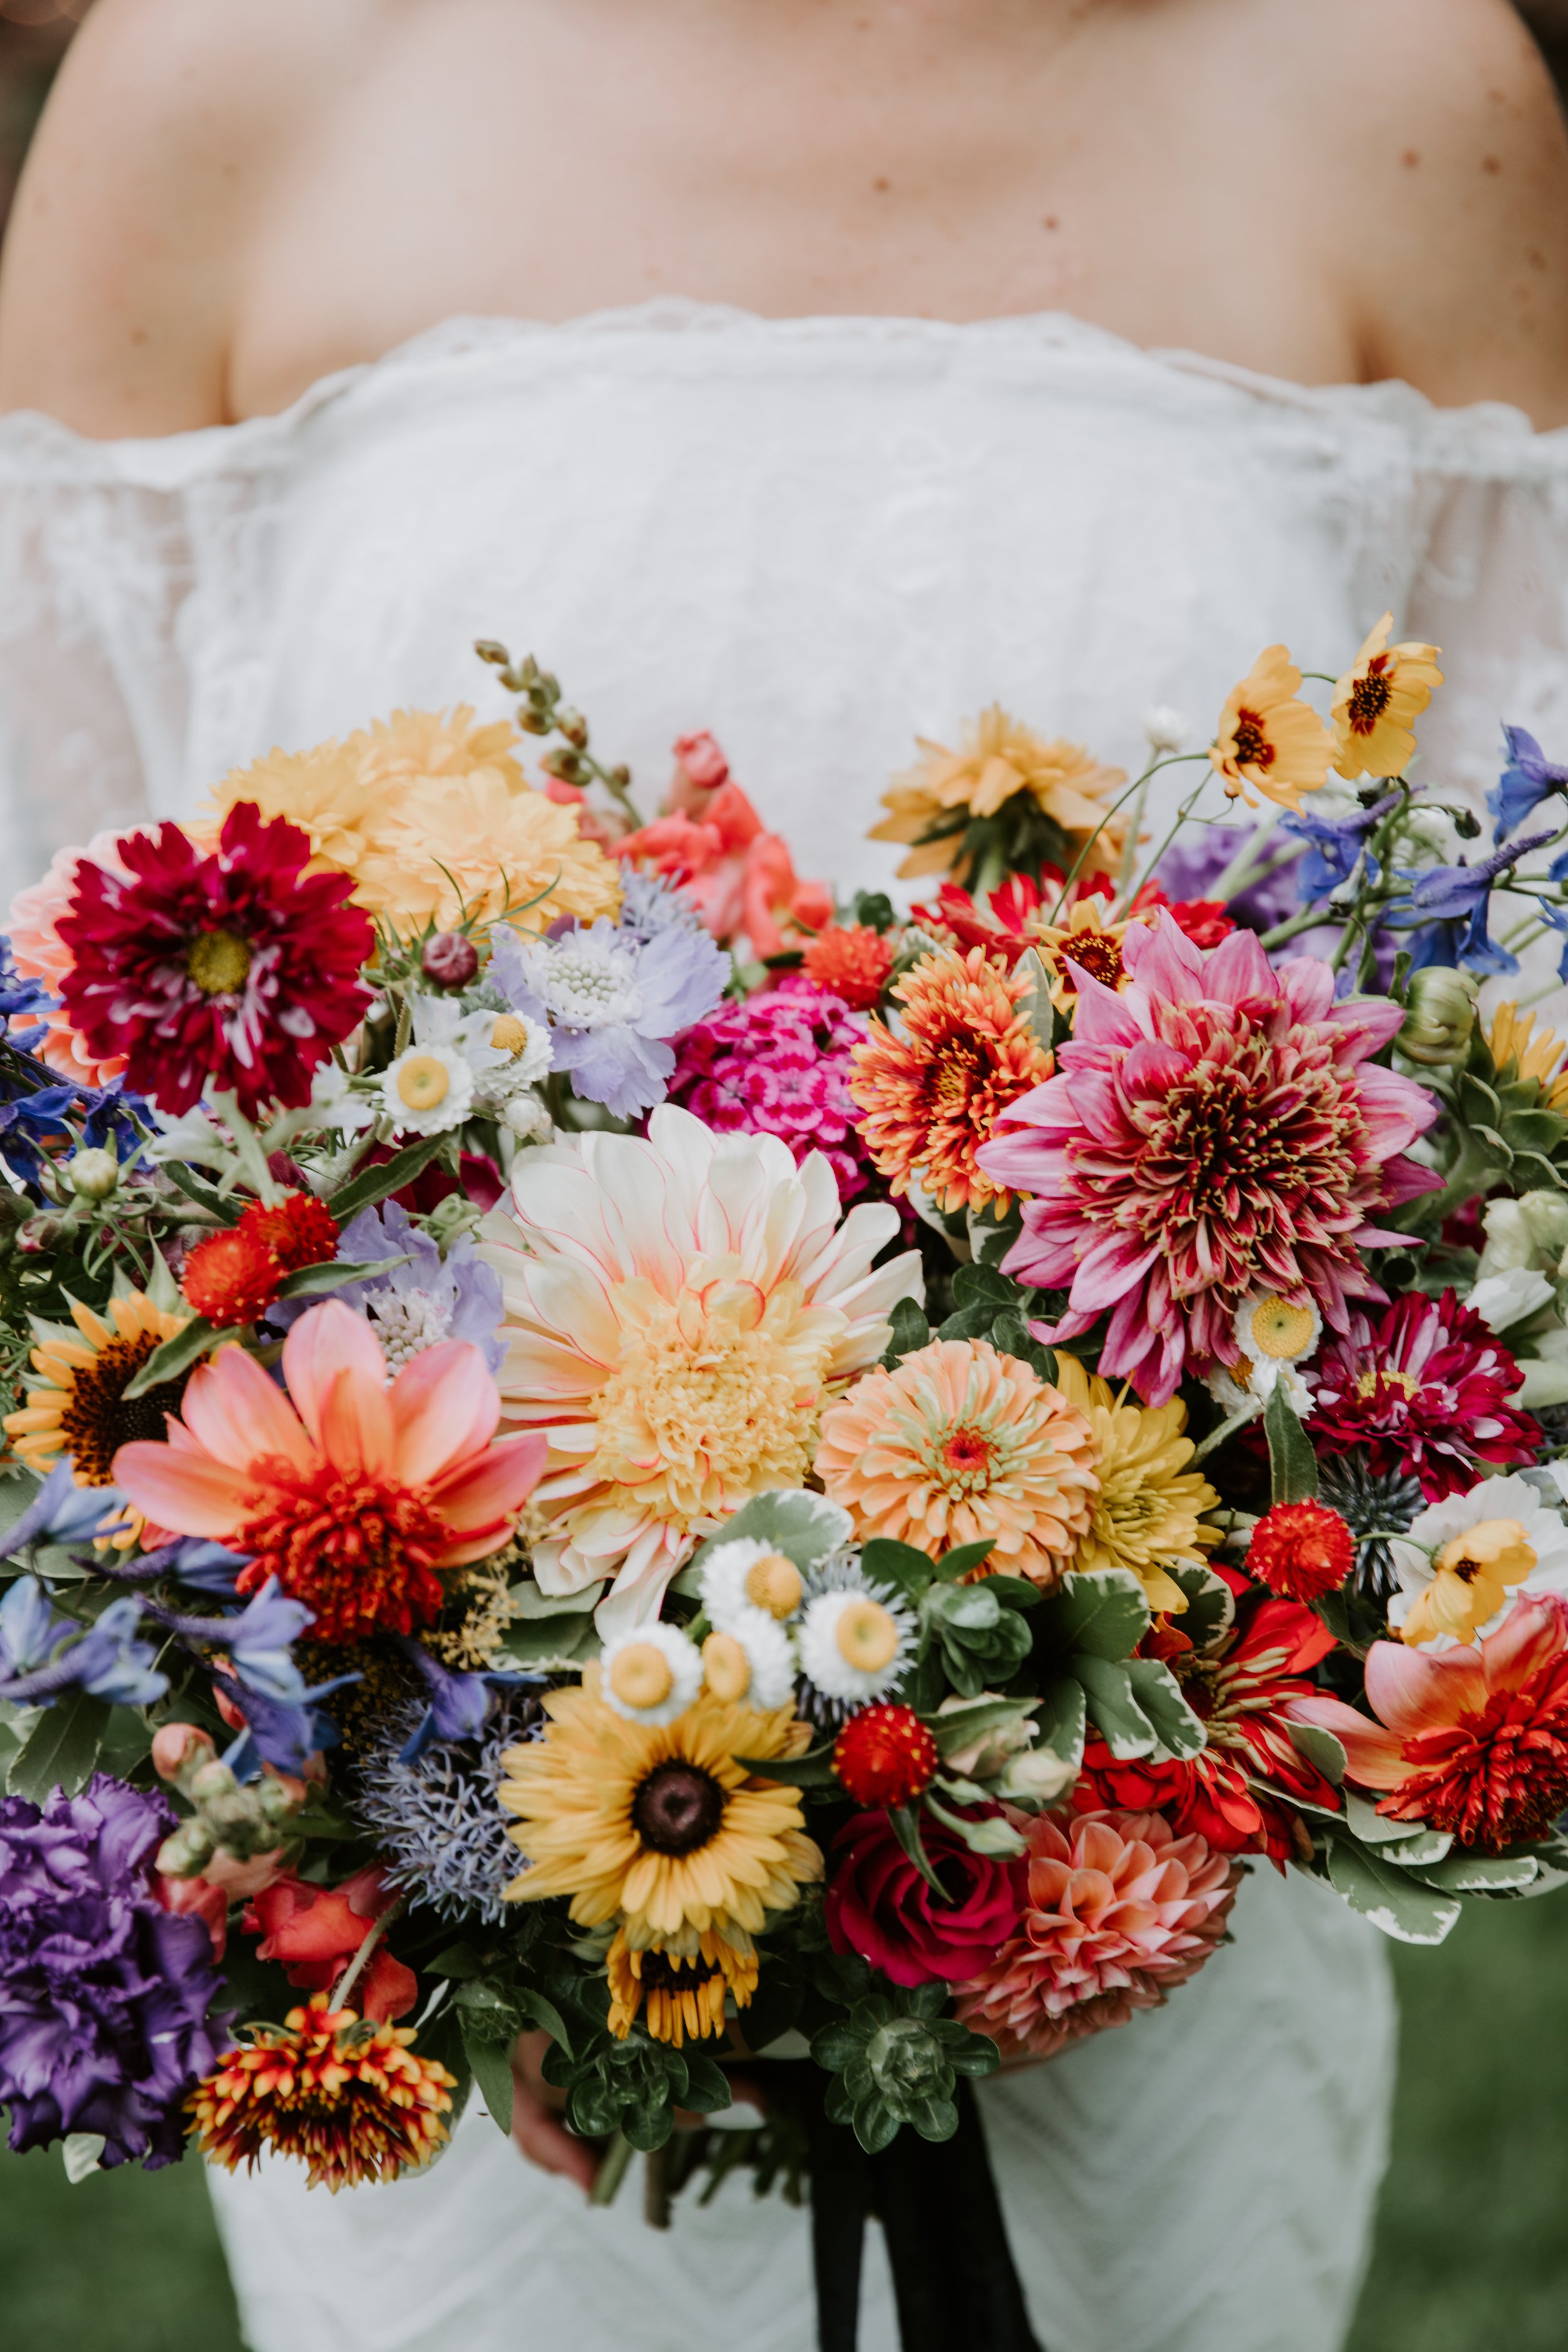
column 235, row 971
column 1425, row 1388
column 230, row 1277
column 1204, row 920
column 852, row 961
column 885, row 1756
column 1301, row 1550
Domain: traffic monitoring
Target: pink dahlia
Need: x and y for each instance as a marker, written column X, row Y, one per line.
column 235, row 971
column 1425, row 1388
column 38, row 951
column 1217, row 1128
column 1118, row 1910
column 779, row 1064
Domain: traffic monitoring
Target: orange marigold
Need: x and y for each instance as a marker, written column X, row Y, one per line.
column 853, row 961
column 932, row 1095
column 350, row 2098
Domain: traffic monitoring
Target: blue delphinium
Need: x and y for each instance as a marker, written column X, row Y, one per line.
column 1529, row 778
column 43, row 1654
column 613, row 1000
column 438, row 1818
column 61, row 1512
column 1335, row 846
column 1448, row 911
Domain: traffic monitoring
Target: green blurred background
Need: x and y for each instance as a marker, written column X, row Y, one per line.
column 1472, row 2248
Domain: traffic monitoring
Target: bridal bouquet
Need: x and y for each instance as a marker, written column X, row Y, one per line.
column 616, row 1446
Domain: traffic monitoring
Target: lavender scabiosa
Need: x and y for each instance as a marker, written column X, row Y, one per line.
column 614, row 999
column 103, row 1995
column 437, row 1818
column 414, row 1305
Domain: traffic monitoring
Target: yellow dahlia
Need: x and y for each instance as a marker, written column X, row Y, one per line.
column 932, row 803
column 679, row 1984
column 1087, row 940
column 932, row 1092
column 326, row 793
column 350, row 2098
column 464, row 848
column 678, row 1310
column 1268, row 738
column 1535, row 1053
column 1146, row 1514
column 658, row 1825
column 1383, row 689
column 78, row 1406
column 418, row 747
column 958, row 1444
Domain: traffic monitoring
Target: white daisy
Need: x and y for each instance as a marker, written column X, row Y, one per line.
column 751, row 1660
column 651, row 1673
column 744, row 1580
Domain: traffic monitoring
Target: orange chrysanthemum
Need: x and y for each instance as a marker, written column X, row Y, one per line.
column 853, row 961
column 932, row 1095
column 350, row 2098
column 958, row 1444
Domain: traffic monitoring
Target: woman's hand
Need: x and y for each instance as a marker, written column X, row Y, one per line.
column 536, row 2111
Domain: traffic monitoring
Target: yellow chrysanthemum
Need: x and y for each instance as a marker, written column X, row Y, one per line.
column 659, row 1824
column 1268, row 738
column 78, row 1406
column 678, row 1985
column 999, row 757
column 1535, row 1053
column 1146, row 1514
column 1383, row 689
column 1087, row 939
column 325, row 791
column 413, row 747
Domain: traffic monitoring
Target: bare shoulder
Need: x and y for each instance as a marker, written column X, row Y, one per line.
column 161, row 138
column 1452, row 215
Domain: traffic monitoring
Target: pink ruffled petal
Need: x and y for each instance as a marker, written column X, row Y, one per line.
column 445, row 1407
column 1414, row 1691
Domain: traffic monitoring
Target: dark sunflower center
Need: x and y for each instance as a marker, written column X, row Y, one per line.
column 661, row 1974
column 1253, row 749
column 677, row 1808
column 97, row 1421
column 218, row 962
column 1101, row 958
column 1370, row 697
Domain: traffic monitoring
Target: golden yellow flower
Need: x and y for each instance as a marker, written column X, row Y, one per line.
column 1470, row 1580
column 413, row 747
column 930, row 805
column 325, row 791
column 78, row 1406
column 1535, row 1053
column 1383, row 689
column 464, row 849
column 1147, row 1514
column 678, row 1985
column 1087, row 940
column 658, row 1823
column 1268, row 739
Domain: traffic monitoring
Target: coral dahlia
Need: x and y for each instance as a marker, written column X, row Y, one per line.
column 234, row 971
column 1218, row 1127
column 1423, row 1387
column 1120, row 1910
column 352, row 1494
column 931, row 1093
column 39, row 952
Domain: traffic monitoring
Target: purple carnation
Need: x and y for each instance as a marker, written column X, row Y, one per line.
column 779, row 1064
column 103, row 1995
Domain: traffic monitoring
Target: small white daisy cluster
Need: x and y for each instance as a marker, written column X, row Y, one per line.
column 459, row 1062
column 831, row 1637
column 1275, row 1336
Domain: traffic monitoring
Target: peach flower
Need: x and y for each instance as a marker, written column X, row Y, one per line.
column 41, row 954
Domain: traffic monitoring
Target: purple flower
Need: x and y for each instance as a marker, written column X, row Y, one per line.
column 430, row 1299
column 62, row 1512
column 1447, row 909
column 1334, row 845
column 103, row 1995
column 458, row 1703
column 1194, row 863
column 1527, row 780
column 42, row 1654
column 613, row 1000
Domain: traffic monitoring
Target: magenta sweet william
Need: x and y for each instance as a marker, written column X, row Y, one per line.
column 878, row 1906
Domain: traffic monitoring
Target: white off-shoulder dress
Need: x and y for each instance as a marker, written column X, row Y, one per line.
column 818, row 538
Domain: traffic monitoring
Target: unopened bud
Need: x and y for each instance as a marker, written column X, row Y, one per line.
column 572, row 725
column 450, row 959
column 186, row 1851
column 1467, row 824
column 179, row 1746
column 94, row 1174
column 528, row 1120
column 1439, row 1018
column 39, row 1233
column 211, row 1783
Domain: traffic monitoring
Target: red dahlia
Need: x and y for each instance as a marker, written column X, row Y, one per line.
column 1301, row 1550
column 885, row 1756
column 231, row 1277
column 1425, row 1388
column 299, row 1230
column 235, row 971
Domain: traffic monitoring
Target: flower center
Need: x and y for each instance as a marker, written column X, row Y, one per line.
column 1281, row 1330
column 358, row 1550
column 677, row 1808
column 510, row 1035
column 424, row 1082
column 587, row 986
column 1385, row 1377
column 641, row 1675
column 1098, row 954
column 97, row 1421
column 726, row 1668
column 668, row 1972
column 865, row 1635
column 966, row 1457
column 407, row 1323
column 218, row 962
column 1253, row 749
column 1371, row 696
column 772, row 1583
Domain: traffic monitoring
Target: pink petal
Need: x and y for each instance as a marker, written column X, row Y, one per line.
column 329, row 1340
column 488, row 1491
column 1238, row 968
column 1163, row 960
column 1373, row 1756
column 188, row 1493
column 236, row 1413
column 356, row 1428
column 1414, row 1690
column 1101, row 1017
column 445, row 1407
column 1534, row 1632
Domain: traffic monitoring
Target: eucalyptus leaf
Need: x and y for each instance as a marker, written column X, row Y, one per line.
column 1211, row 1605
column 1320, row 1748
column 1064, row 1720
column 1483, row 1874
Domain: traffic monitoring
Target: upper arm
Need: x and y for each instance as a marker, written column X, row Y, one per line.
column 1455, row 252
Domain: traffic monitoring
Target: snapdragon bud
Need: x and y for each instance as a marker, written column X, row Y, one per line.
column 1439, row 1018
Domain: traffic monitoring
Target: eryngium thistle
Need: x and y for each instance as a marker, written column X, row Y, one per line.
column 1365, row 1502
column 438, row 1821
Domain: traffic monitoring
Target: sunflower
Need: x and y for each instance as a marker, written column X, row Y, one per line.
column 1537, row 1055
column 659, row 1824
column 1146, row 1514
column 930, row 805
column 1383, row 689
column 78, row 1406
column 680, row 1985
column 1268, row 738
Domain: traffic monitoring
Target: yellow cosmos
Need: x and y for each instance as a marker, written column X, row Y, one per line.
column 999, row 757
column 1470, row 1580
column 659, row 1824
column 1147, row 1514
column 1535, row 1053
column 79, row 1405
column 1087, row 940
column 1383, row 689
column 1268, row 740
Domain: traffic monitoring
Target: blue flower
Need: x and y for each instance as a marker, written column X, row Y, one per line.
column 458, row 1703
column 18, row 996
column 114, row 1117
column 1447, row 910
column 1334, row 845
column 61, row 1512
column 439, row 1820
column 283, row 1733
column 42, row 1654
column 257, row 1637
column 649, row 905
column 613, row 1001
column 1527, row 780
column 30, row 1121
column 415, row 1306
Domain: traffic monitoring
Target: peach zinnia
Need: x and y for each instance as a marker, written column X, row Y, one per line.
column 960, row 1445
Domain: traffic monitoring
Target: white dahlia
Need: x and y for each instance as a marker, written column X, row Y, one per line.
column 678, row 1311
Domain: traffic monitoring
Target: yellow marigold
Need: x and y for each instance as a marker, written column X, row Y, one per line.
column 351, row 2099
column 958, row 1444
column 679, row 1984
column 78, row 1406
column 659, row 1824
column 465, row 847
column 932, row 1093
column 930, row 803
column 1269, row 741
column 1383, row 689
column 1146, row 1514
column 1087, row 939
column 1535, row 1053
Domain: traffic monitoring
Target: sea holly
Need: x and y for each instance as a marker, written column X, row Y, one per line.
column 896, row 2060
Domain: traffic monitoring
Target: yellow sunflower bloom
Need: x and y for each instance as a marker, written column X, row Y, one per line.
column 678, row 1985
column 999, row 757
column 78, row 1406
column 1268, row 740
column 1536, row 1054
column 1146, row 1514
column 1383, row 689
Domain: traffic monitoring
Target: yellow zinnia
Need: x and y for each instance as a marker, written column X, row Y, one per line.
column 660, row 1824
column 1383, row 689
column 79, row 1405
column 1146, row 1515
column 1268, row 738
column 930, row 805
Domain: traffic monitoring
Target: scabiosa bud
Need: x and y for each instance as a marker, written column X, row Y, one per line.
column 231, row 1278
column 450, row 958
column 1301, row 1550
column 885, row 1756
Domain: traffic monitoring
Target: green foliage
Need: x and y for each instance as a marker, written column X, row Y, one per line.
column 633, row 2086
column 895, row 2060
column 1292, row 1464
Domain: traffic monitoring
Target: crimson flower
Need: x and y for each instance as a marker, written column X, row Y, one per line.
column 878, row 1905
column 315, row 1931
column 1302, row 1550
column 1425, row 1388
column 233, row 971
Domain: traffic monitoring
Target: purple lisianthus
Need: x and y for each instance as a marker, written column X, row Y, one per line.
column 614, row 999
column 104, row 1996
column 415, row 1306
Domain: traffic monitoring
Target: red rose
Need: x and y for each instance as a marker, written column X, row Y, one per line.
column 879, row 1907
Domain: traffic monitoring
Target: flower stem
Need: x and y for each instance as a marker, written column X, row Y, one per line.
column 611, row 2169
column 357, row 1967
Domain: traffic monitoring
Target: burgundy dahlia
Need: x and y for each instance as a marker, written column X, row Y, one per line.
column 878, row 1905
column 235, row 971
column 1425, row 1388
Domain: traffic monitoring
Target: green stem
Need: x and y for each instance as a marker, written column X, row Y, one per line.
column 1249, row 1412
column 357, row 1967
column 611, row 2169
